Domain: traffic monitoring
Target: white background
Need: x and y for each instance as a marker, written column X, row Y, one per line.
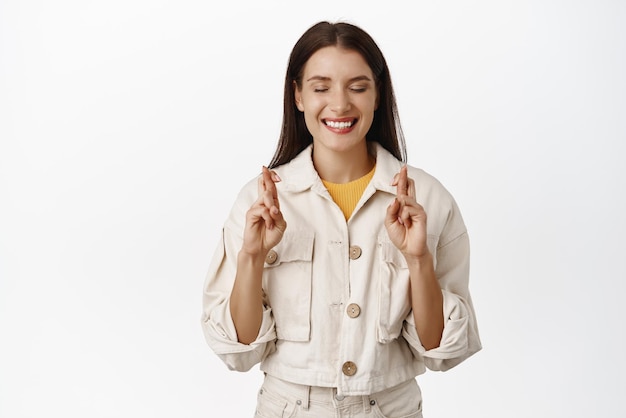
column 128, row 126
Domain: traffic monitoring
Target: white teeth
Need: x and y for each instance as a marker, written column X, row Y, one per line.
column 338, row 125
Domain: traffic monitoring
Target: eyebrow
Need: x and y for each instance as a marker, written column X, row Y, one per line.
column 323, row 78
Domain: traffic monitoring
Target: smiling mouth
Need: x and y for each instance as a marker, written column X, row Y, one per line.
column 344, row 124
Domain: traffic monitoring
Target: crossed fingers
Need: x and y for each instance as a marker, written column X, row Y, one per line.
column 405, row 186
column 405, row 196
column 268, row 196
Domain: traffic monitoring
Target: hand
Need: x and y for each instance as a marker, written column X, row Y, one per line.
column 406, row 219
column 264, row 221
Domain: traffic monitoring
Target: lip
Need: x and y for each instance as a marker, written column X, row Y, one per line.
column 340, row 119
column 354, row 121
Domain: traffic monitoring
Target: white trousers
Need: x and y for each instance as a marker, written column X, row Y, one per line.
column 280, row 399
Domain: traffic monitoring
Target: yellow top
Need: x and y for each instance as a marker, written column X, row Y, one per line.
column 347, row 195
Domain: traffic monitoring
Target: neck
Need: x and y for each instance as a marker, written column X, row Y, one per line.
column 343, row 167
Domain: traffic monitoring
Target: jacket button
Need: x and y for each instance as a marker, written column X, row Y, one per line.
column 353, row 310
column 349, row 368
column 271, row 257
column 355, row 252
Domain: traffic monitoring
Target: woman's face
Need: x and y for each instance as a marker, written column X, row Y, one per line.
column 338, row 98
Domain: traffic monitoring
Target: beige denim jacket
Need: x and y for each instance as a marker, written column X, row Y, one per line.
column 337, row 310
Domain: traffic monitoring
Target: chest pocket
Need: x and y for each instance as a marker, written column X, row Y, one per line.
column 287, row 285
column 394, row 302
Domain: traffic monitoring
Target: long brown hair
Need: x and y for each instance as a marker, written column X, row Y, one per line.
column 385, row 129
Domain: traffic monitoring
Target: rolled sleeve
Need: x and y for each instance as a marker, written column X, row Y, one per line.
column 221, row 336
column 459, row 339
column 217, row 323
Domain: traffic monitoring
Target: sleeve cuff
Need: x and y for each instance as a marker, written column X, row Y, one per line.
column 221, row 336
column 455, row 344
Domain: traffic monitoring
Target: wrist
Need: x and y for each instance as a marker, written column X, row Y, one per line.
column 420, row 261
column 251, row 259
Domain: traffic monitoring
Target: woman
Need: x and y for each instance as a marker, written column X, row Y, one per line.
column 328, row 271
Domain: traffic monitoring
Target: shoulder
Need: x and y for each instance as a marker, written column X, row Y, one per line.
column 427, row 183
column 439, row 204
column 296, row 175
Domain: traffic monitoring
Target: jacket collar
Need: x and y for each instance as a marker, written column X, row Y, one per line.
column 299, row 174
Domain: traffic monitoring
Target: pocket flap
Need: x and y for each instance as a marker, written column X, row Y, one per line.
column 391, row 254
column 294, row 246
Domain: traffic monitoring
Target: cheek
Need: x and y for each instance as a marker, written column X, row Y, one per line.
column 368, row 106
column 312, row 107
column 310, row 117
column 366, row 100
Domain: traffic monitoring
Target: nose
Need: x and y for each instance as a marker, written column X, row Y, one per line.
column 340, row 102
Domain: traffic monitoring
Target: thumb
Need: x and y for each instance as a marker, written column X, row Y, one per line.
column 392, row 212
column 279, row 220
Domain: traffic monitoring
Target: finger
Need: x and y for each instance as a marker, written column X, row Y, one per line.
column 258, row 214
column 406, row 215
column 264, row 196
column 410, row 202
column 392, row 212
column 275, row 177
column 267, row 217
column 411, row 192
column 411, row 209
column 277, row 218
column 394, row 181
column 402, row 187
column 271, row 196
column 266, row 188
